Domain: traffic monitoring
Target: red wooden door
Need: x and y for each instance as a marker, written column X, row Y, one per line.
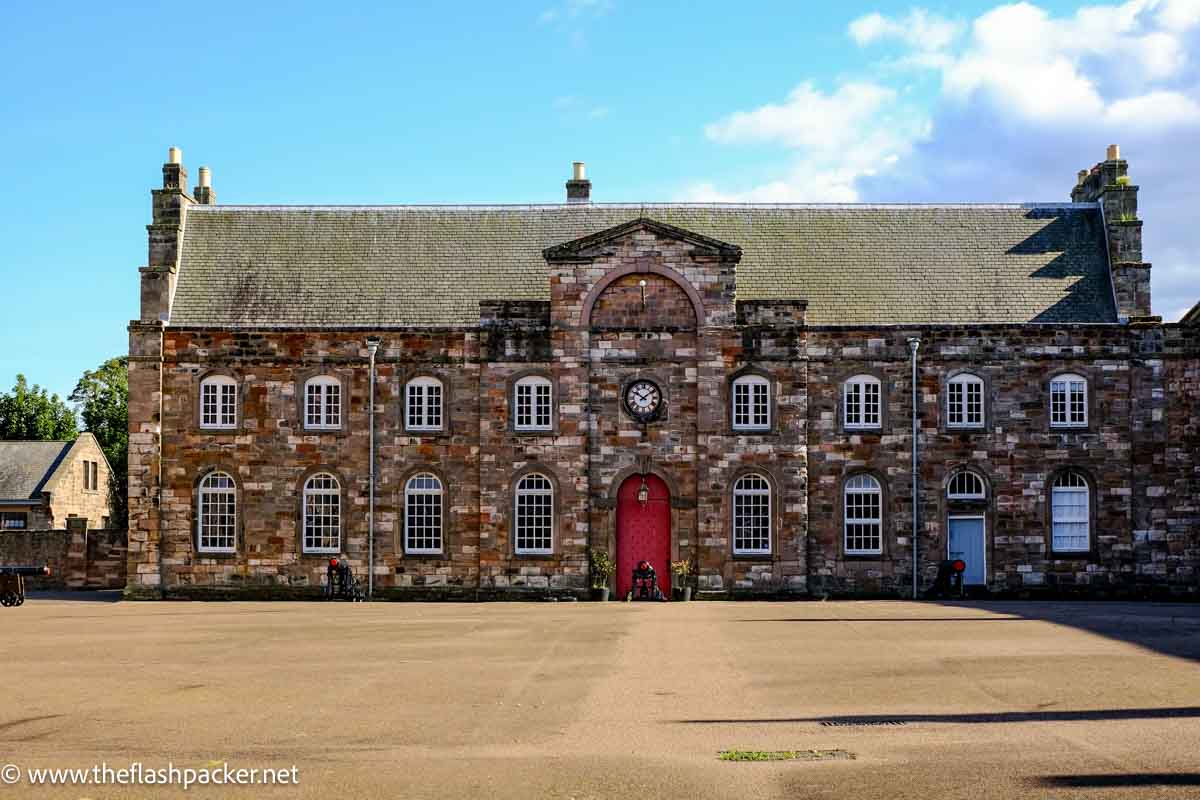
column 643, row 532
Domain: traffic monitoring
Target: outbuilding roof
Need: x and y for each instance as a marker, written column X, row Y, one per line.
column 25, row 467
column 347, row 266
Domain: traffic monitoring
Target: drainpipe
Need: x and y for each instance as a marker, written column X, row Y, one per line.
column 372, row 347
column 914, row 344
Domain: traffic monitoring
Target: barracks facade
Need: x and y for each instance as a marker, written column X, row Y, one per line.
column 730, row 385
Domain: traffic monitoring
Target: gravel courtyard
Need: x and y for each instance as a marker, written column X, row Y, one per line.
column 582, row 700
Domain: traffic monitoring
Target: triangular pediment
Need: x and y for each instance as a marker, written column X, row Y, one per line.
column 592, row 245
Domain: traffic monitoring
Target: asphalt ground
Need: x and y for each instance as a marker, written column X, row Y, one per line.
column 583, row 700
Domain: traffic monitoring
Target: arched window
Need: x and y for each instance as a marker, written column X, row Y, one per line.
column 1070, row 512
column 423, row 514
column 533, row 401
column 423, row 404
column 216, row 520
column 534, row 517
column 964, row 401
column 218, row 402
column 862, row 402
column 752, row 515
column 864, row 516
column 322, row 514
column 751, row 403
column 322, row 403
column 965, row 485
column 1068, row 402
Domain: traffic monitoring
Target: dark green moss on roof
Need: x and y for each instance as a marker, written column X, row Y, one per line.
column 856, row 265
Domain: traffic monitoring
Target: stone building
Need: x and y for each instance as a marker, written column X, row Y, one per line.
column 730, row 385
column 43, row 484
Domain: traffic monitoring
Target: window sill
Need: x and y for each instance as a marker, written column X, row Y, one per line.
column 1071, row 555
column 216, row 553
column 439, row 555
column 753, row 556
column 1064, row 428
column 966, row 429
column 213, row 429
column 862, row 428
column 536, row 556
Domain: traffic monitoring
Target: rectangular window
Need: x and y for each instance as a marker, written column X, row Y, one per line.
column 862, row 401
column 424, row 406
column 752, row 522
column 964, row 404
column 1068, row 402
column 533, row 405
column 14, row 520
column 95, row 476
column 217, row 517
column 1070, row 523
column 751, row 404
column 218, row 405
column 322, row 522
column 323, row 405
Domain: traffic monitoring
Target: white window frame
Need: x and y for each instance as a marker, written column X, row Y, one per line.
column 428, row 416
column 857, row 387
column 224, row 401
column 751, row 403
column 14, row 520
column 1074, row 390
column 862, row 485
column 751, row 488
column 954, row 488
column 327, row 391
column 524, row 494
column 961, row 385
column 533, row 400
column 321, row 493
column 210, row 492
column 417, row 496
column 1074, row 485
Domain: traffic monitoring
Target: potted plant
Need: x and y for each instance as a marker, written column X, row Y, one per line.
column 602, row 570
column 682, row 570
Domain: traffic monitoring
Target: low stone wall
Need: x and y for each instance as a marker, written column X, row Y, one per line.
column 78, row 558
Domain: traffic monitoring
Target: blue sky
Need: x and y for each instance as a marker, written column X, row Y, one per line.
column 320, row 103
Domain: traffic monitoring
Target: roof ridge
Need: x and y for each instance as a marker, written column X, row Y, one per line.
column 581, row 207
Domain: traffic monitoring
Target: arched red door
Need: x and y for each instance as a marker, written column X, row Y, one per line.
column 643, row 531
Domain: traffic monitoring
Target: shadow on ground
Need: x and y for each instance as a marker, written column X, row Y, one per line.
column 1000, row 717
column 99, row 596
column 1120, row 780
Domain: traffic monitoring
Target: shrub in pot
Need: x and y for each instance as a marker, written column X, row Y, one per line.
column 601, row 569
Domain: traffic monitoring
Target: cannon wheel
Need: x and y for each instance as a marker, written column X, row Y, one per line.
column 9, row 599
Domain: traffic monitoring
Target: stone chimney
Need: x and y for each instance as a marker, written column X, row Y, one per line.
column 204, row 193
column 579, row 188
column 1108, row 184
column 168, row 204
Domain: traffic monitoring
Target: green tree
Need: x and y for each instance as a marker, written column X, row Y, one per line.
column 102, row 396
column 29, row 413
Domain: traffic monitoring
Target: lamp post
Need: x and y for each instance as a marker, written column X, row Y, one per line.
column 372, row 348
column 914, row 344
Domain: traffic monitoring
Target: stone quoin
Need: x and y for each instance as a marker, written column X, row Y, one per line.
column 753, row 359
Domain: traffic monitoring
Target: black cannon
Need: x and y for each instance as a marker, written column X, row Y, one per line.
column 12, row 583
column 645, row 583
column 949, row 581
column 340, row 583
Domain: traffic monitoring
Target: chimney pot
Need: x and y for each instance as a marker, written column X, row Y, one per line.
column 580, row 171
column 579, row 188
column 1114, row 152
column 174, row 155
column 205, row 177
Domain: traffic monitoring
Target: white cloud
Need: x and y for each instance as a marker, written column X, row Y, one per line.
column 1024, row 98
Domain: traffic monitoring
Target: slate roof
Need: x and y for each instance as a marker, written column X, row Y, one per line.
column 315, row 266
column 26, row 466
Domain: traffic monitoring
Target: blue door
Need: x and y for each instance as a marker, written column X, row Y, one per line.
column 967, row 543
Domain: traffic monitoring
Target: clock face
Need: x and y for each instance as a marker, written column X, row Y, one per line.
column 643, row 400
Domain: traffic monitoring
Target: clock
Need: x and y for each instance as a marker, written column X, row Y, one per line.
column 643, row 400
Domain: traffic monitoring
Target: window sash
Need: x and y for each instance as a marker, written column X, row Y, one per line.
column 751, row 404
column 218, row 520
column 422, row 520
column 1068, row 402
column 1070, row 519
column 322, row 520
column 533, row 406
column 964, row 404
column 751, row 521
column 863, row 523
column 14, row 520
column 323, row 406
column 424, row 407
column 862, row 404
column 218, row 405
column 534, row 521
